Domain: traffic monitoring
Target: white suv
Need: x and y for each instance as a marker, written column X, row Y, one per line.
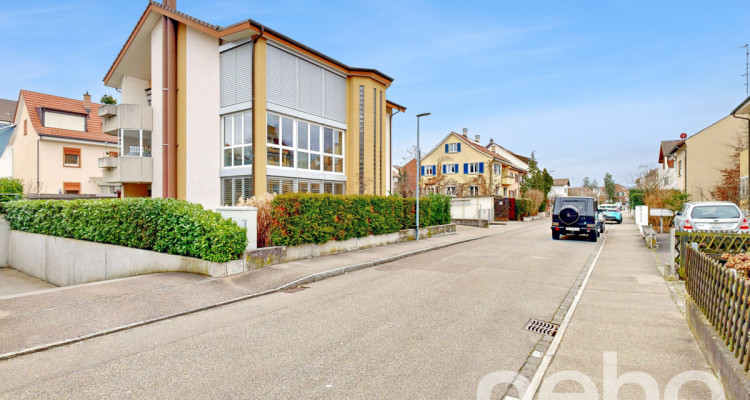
column 716, row 216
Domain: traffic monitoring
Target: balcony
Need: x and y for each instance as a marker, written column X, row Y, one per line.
column 507, row 180
column 127, row 169
column 126, row 116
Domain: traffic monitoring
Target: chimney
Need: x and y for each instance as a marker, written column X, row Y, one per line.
column 170, row 4
column 466, row 132
column 87, row 102
column 476, row 138
column 491, row 142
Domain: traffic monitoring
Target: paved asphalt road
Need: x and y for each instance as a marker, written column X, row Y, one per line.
column 428, row 326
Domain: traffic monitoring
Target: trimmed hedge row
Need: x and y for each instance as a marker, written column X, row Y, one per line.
column 163, row 225
column 302, row 218
column 525, row 208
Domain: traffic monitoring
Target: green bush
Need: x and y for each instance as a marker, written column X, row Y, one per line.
column 163, row 225
column 302, row 218
column 525, row 208
column 10, row 189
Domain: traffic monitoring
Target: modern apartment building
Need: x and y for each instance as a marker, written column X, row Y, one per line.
column 211, row 114
column 461, row 166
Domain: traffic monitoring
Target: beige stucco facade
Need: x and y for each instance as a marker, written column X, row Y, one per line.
column 708, row 152
column 38, row 160
column 466, row 170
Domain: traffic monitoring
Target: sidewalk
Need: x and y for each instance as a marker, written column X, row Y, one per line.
column 53, row 317
column 627, row 308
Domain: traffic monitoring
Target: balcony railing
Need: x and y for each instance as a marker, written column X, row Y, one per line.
column 125, row 116
column 127, row 169
column 507, row 180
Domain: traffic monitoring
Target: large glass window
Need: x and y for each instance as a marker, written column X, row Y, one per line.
column 304, row 145
column 238, row 139
column 135, row 143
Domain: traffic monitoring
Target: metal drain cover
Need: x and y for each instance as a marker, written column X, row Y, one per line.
column 543, row 327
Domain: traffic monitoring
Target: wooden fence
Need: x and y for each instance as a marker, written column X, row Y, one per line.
column 711, row 242
column 724, row 297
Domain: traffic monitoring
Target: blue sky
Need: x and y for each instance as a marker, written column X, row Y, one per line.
column 591, row 87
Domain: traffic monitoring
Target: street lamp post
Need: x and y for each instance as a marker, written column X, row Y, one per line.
column 419, row 169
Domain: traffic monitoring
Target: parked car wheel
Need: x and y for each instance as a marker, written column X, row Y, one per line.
column 555, row 235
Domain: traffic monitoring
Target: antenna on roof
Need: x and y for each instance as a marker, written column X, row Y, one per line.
column 747, row 62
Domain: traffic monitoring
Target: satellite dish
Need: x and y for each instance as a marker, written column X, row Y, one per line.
column 683, row 135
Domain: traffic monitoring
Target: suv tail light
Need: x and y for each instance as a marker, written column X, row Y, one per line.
column 687, row 225
column 744, row 225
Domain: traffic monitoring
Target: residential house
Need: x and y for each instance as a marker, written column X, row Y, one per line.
column 559, row 188
column 222, row 113
column 622, row 194
column 408, row 185
column 56, row 144
column 742, row 112
column 7, row 111
column 706, row 153
column 518, row 169
column 671, row 158
column 460, row 166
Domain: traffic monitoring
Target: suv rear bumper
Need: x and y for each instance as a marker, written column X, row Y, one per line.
column 573, row 230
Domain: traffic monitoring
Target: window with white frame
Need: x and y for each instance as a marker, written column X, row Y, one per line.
column 451, row 168
column 498, row 169
column 679, row 168
column 430, row 190
column 474, row 168
column 473, row 190
column 453, row 148
column 238, row 139
column 429, row 170
column 315, row 147
column 450, row 190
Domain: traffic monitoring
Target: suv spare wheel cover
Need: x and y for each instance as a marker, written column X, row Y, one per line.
column 569, row 215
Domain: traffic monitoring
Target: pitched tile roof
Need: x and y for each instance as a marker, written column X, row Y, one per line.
column 7, row 110
column 481, row 148
column 561, row 182
column 667, row 146
column 35, row 101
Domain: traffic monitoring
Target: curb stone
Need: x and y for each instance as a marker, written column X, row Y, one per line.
column 293, row 284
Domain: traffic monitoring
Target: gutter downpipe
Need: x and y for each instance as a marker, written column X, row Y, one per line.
column 38, row 189
column 734, row 114
column 169, row 119
column 390, row 150
column 254, row 40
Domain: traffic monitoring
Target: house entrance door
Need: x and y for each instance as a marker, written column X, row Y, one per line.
column 505, row 208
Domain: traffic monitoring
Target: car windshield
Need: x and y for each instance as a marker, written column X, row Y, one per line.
column 715, row 212
column 607, row 208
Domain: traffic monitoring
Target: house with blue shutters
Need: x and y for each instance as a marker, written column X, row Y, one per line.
column 461, row 166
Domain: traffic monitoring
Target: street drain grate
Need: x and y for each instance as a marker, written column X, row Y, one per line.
column 297, row 289
column 538, row 326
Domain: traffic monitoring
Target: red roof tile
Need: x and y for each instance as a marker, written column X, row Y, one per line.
column 34, row 101
column 481, row 148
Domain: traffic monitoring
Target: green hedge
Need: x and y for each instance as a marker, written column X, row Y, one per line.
column 317, row 218
column 524, row 208
column 163, row 225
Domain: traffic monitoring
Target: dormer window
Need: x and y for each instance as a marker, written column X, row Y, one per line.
column 64, row 120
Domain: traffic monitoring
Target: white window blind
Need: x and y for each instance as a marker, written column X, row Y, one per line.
column 301, row 85
column 236, row 75
column 232, row 189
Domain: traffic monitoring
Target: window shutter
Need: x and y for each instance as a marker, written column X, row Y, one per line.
column 481, row 167
column 446, row 147
column 458, row 147
column 444, row 167
column 423, row 170
column 281, row 71
column 310, row 88
column 335, row 96
column 466, row 168
column 244, row 72
column 228, row 78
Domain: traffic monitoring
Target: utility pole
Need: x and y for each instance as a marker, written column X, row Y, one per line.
column 747, row 63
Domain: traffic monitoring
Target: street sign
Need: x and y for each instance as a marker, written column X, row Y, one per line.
column 661, row 212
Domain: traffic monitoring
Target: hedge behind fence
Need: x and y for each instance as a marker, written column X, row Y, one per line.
column 525, row 208
column 163, row 225
column 317, row 218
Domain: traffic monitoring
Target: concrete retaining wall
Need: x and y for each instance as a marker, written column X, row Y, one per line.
column 276, row 255
column 64, row 262
column 735, row 381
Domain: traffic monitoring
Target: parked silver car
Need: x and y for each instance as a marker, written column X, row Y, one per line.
column 718, row 216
